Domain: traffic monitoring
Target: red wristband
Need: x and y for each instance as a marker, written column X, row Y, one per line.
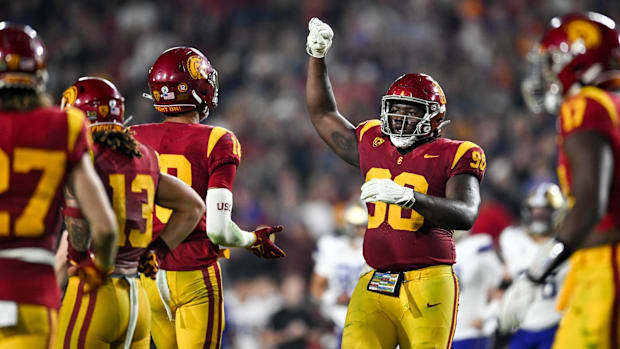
column 160, row 248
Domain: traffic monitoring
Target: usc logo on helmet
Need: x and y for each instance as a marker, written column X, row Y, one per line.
column 587, row 31
column 68, row 97
column 103, row 110
column 442, row 96
column 195, row 67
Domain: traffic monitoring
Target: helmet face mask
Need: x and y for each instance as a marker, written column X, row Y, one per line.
column 412, row 110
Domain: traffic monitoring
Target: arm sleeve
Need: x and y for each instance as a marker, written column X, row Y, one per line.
column 220, row 227
column 222, row 148
column 223, row 176
column 469, row 158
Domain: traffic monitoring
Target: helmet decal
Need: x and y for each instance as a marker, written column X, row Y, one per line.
column 182, row 87
column 585, row 30
column 12, row 62
column 195, row 67
column 68, row 97
column 103, row 110
column 156, row 95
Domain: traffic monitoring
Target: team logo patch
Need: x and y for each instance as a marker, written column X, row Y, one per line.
column 377, row 141
column 166, row 94
column 196, row 67
column 91, row 115
column 114, row 110
column 103, row 110
column 69, row 96
column 400, row 160
column 588, row 32
column 442, row 96
column 182, row 87
column 156, row 95
column 12, row 61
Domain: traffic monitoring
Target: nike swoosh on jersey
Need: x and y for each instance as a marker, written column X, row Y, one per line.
column 432, row 305
column 429, row 156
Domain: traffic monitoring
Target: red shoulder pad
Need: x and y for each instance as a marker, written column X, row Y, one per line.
column 222, row 148
column 78, row 138
column 591, row 109
column 468, row 158
column 364, row 127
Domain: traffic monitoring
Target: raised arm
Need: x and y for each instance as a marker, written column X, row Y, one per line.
column 333, row 128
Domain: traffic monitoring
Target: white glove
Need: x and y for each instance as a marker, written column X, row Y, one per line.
column 385, row 190
column 515, row 303
column 319, row 38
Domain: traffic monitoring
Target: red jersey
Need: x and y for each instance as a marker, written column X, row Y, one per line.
column 592, row 109
column 397, row 238
column 190, row 152
column 131, row 184
column 38, row 149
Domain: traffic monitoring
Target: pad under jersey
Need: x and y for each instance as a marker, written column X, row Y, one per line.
column 398, row 238
column 190, row 152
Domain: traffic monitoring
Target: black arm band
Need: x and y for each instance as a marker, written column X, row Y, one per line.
column 554, row 253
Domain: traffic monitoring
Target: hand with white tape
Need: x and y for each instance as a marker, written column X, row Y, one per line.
column 386, row 190
column 319, row 38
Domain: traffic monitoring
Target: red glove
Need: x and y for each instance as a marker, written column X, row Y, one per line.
column 89, row 271
column 157, row 249
column 264, row 246
column 148, row 265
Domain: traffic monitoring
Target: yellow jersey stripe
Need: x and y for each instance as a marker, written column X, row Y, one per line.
column 603, row 98
column 214, row 137
column 216, row 309
column 367, row 126
column 462, row 149
column 75, row 119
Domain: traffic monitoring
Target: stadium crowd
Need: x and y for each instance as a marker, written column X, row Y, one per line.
column 474, row 48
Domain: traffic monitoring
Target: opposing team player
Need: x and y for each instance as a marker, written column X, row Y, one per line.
column 186, row 299
column 480, row 273
column 41, row 149
column 131, row 175
column 419, row 187
column 535, row 317
column 338, row 262
column 574, row 68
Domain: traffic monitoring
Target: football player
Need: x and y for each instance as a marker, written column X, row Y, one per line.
column 131, row 175
column 480, row 273
column 419, row 187
column 536, row 317
column 574, row 76
column 42, row 148
column 338, row 263
column 186, row 298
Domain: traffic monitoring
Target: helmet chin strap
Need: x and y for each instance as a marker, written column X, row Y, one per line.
column 205, row 111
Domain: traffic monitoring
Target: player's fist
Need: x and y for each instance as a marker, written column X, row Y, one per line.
column 264, row 246
column 89, row 271
column 319, row 38
column 148, row 265
column 386, row 190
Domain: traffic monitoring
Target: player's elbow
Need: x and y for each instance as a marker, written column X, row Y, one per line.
column 196, row 208
column 466, row 220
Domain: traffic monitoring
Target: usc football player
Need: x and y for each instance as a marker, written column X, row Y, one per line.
column 574, row 74
column 186, row 298
column 418, row 188
column 131, row 175
column 42, row 148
